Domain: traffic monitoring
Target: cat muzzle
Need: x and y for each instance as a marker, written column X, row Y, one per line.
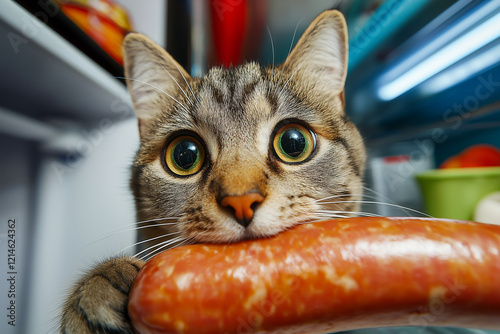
column 243, row 206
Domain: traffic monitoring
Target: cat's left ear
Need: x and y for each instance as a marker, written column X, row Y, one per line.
column 154, row 78
column 319, row 60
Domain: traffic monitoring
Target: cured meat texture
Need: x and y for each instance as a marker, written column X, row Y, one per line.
column 324, row 277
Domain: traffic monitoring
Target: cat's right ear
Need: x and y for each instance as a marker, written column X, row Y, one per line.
column 153, row 77
column 318, row 63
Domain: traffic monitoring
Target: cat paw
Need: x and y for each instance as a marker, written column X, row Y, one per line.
column 98, row 302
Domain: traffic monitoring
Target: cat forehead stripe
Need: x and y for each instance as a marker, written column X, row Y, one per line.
column 228, row 85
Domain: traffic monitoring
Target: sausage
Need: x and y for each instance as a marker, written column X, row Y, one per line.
column 325, row 277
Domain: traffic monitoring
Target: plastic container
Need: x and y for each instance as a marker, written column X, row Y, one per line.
column 454, row 193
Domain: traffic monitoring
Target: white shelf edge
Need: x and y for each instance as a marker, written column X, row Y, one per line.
column 26, row 25
column 21, row 126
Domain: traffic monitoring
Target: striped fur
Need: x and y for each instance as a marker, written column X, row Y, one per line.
column 235, row 113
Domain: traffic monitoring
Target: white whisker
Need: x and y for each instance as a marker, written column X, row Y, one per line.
column 165, row 245
column 324, row 215
column 346, row 196
column 127, row 228
column 147, row 226
column 183, row 91
column 378, row 195
column 187, row 83
column 382, row 203
column 118, row 229
column 158, row 219
column 148, row 240
column 272, row 68
column 296, row 70
column 160, row 245
column 334, row 196
column 360, row 213
column 289, row 51
column 158, row 89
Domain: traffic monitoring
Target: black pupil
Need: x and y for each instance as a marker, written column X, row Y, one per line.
column 293, row 142
column 185, row 154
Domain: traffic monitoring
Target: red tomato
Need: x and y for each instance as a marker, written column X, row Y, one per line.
column 475, row 156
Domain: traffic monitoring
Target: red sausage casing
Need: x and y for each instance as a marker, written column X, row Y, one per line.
column 325, row 277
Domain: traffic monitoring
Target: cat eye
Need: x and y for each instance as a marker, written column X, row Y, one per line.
column 184, row 156
column 294, row 143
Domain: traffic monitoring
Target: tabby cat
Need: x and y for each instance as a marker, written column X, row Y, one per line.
column 241, row 153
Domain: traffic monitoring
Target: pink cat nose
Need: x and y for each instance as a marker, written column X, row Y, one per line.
column 243, row 206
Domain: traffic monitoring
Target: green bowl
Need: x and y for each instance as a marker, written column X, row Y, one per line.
column 454, row 193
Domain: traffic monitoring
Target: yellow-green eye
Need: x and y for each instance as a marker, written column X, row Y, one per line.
column 294, row 143
column 184, row 156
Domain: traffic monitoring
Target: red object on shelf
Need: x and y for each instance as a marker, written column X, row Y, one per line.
column 104, row 21
column 475, row 156
column 229, row 21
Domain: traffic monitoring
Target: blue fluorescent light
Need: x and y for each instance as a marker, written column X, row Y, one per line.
column 451, row 77
column 432, row 45
column 458, row 49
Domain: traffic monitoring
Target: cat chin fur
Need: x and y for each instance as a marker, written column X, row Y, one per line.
column 277, row 213
column 264, row 224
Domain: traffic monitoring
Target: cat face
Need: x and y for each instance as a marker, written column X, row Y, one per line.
column 244, row 152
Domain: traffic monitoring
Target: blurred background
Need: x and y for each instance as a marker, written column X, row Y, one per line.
column 423, row 86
